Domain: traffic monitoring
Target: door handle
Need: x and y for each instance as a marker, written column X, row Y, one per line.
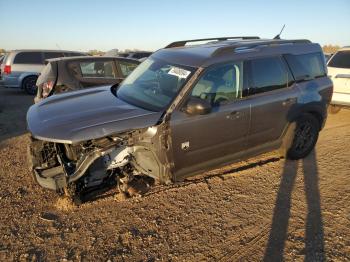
column 288, row 101
column 233, row 115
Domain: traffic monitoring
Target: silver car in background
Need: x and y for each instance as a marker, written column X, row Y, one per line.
column 21, row 68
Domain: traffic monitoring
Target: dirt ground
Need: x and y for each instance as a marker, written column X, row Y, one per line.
column 265, row 208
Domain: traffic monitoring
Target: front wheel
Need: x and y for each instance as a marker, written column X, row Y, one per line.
column 305, row 137
column 29, row 85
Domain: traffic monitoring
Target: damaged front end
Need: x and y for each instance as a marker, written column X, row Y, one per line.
column 134, row 158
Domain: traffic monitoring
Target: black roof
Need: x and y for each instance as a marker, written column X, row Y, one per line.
column 46, row 50
column 227, row 48
column 79, row 58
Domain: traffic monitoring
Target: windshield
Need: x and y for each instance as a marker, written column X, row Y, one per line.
column 153, row 84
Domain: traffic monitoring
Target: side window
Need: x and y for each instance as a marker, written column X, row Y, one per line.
column 49, row 55
column 341, row 60
column 28, row 58
column 123, row 55
column 127, row 67
column 93, row 69
column 220, row 85
column 137, row 55
column 306, row 66
column 267, row 74
column 69, row 54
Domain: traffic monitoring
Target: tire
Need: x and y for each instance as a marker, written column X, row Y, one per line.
column 29, row 85
column 305, row 137
column 333, row 109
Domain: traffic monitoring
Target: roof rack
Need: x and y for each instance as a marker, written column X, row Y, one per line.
column 252, row 45
column 184, row 42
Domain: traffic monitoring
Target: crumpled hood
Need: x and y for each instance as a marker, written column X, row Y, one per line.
column 87, row 114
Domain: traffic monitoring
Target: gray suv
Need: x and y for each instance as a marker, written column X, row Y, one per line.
column 20, row 68
column 183, row 111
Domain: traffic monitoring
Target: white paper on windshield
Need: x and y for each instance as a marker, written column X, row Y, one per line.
column 179, row 72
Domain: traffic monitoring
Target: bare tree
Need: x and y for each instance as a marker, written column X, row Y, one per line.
column 95, row 52
column 330, row 49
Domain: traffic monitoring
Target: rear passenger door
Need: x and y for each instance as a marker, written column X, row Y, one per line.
column 271, row 93
column 95, row 72
column 125, row 67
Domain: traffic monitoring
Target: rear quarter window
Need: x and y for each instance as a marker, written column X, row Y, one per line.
column 306, row 66
column 28, row 58
column 341, row 60
column 74, row 54
column 49, row 55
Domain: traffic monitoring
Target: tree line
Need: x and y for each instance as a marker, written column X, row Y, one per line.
column 329, row 49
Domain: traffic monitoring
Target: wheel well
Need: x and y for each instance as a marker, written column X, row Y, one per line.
column 318, row 116
column 26, row 78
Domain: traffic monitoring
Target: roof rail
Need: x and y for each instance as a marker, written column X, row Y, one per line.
column 252, row 45
column 184, row 42
column 274, row 42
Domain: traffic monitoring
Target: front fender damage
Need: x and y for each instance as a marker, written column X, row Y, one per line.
column 113, row 159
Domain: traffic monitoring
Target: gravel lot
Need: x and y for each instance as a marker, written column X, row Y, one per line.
column 265, row 208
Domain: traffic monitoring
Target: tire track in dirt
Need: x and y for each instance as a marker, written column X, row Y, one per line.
column 240, row 253
column 225, row 213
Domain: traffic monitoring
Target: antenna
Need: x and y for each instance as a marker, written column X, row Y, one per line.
column 279, row 35
column 59, row 48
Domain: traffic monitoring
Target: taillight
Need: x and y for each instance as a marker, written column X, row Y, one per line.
column 47, row 87
column 7, row 69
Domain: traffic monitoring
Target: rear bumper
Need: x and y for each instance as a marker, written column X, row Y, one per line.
column 341, row 99
column 10, row 81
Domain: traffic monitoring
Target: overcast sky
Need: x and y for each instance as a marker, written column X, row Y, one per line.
column 151, row 24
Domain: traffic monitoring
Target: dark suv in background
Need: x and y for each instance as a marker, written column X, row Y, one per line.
column 140, row 55
column 183, row 111
column 73, row 73
column 21, row 68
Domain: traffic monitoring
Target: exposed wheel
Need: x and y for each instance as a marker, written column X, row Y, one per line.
column 333, row 109
column 305, row 136
column 29, row 85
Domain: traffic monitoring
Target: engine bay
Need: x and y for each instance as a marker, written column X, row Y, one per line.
column 75, row 170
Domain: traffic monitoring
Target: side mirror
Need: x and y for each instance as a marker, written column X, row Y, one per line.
column 197, row 106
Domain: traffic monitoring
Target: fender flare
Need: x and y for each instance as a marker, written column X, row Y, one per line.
column 317, row 109
column 25, row 75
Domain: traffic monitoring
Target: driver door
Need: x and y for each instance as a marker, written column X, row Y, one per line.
column 202, row 142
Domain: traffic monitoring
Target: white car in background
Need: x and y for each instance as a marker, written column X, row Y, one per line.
column 339, row 72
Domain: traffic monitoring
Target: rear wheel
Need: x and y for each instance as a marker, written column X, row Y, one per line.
column 29, row 85
column 305, row 137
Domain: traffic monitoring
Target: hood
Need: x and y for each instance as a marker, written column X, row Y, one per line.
column 86, row 114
